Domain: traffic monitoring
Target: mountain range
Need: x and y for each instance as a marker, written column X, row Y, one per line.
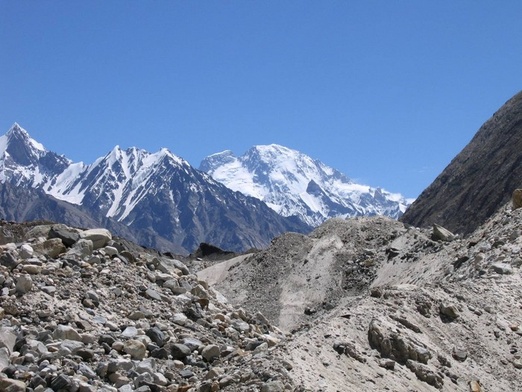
column 294, row 184
column 157, row 199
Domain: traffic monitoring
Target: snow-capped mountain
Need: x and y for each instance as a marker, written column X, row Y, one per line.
column 293, row 184
column 167, row 203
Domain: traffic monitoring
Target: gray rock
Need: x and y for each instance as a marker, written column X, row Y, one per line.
column 82, row 248
column 4, row 358
column 156, row 335
column 24, row 283
column 502, row 268
column 449, row 311
column 7, row 338
column 135, row 349
column 51, row 248
column 441, row 234
column 26, row 251
column 210, row 352
column 129, row 332
column 9, row 260
column 66, row 332
column 10, row 385
column 424, row 373
column 179, row 351
column 99, row 237
column 68, row 235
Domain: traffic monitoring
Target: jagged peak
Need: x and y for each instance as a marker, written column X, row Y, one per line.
column 16, row 132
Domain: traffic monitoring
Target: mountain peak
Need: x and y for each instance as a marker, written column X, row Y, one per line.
column 17, row 134
column 292, row 183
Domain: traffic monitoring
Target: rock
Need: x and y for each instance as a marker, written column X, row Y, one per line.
column 129, row 332
column 210, row 352
column 475, row 386
column 441, row 234
column 7, row 338
column 66, row 332
column 24, row 283
column 386, row 363
column 26, row 251
column 156, row 335
column 516, row 198
column 51, row 248
column 82, row 248
column 424, row 373
column 153, row 294
column 4, row 358
column 392, row 345
column 67, row 235
column 179, row 351
column 273, row 386
column 449, row 311
column 9, row 260
column 502, row 268
column 459, row 354
column 135, row 348
column 10, row 385
column 99, row 237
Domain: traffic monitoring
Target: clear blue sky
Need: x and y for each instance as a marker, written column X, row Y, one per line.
column 388, row 92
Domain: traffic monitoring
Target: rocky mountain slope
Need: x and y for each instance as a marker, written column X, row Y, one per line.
column 83, row 311
column 479, row 179
column 372, row 304
column 293, row 184
column 159, row 198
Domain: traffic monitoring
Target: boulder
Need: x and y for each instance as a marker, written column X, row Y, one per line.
column 99, row 237
column 516, row 198
column 441, row 234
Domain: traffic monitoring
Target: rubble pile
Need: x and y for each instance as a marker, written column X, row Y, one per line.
column 83, row 311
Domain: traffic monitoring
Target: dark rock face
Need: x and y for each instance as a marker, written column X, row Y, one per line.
column 479, row 180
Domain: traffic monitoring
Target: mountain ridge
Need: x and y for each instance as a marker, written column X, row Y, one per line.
column 293, row 183
column 154, row 194
column 479, row 179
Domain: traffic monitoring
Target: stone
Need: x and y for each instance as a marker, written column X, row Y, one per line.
column 10, row 385
column 129, row 332
column 9, row 260
column 156, row 335
column 390, row 344
column 387, row 363
column 179, row 351
column 272, row 386
column 153, row 294
column 51, row 248
column 135, row 348
column 449, row 311
column 82, row 248
column 475, row 386
column 26, row 251
column 210, row 352
column 502, row 268
column 516, row 198
column 99, row 237
column 24, row 283
column 7, row 338
column 66, row 234
column 459, row 354
column 66, row 332
column 439, row 233
column 424, row 373
column 4, row 358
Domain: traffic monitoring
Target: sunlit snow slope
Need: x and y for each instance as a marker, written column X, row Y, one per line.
column 292, row 183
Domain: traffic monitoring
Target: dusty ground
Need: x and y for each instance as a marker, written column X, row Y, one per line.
column 457, row 303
